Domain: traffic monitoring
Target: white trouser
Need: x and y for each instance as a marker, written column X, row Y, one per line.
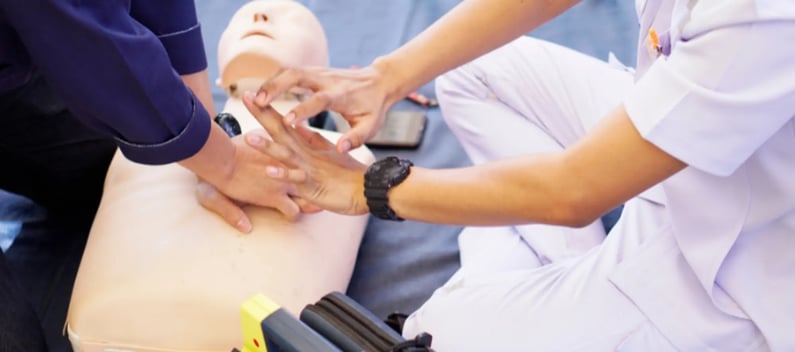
column 533, row 287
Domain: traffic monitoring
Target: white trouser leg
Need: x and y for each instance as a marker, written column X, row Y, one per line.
column 529, row 96
column 495, row 249
column 564, row 306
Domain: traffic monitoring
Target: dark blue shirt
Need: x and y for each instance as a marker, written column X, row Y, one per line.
column 116, row 64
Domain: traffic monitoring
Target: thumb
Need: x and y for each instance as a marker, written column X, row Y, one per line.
column 357, row 135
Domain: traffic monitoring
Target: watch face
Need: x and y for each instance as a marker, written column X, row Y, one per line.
column 393, row 171
column 388, row 171
column 228, row 123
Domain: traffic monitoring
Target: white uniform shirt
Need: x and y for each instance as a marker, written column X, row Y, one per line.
column 722, row 101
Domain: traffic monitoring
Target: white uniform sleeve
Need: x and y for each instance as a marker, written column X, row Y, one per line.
column 720, row 94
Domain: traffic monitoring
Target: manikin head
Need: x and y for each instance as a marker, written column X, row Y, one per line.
column 264, row 35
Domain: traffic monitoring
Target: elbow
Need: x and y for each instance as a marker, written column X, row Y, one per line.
column 579, row 221
column 576, row 209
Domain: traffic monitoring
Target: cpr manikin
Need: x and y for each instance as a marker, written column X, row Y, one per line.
column 161, row 273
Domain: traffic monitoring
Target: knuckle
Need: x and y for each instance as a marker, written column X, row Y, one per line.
column 300, row 176
column 291, row 75
column 324, row 98
column 289, row 153
column 356, row 138
column 278, row 151
column 206, row 192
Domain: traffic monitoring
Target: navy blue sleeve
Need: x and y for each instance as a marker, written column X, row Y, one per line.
column 174, row 22
column 114, row 74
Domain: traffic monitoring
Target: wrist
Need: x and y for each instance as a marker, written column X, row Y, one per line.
column 360, row 201
column 380, row 177
column 392, row 79
column 215, row 161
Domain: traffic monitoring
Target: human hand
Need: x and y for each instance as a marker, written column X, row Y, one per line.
column 321, row 176
column 247, row 186
column 361, row 95
column 231, row 211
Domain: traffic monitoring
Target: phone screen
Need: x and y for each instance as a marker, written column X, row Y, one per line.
column 402, row 129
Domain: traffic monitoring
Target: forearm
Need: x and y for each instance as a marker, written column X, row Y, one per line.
column 213, row 161
column 530, row 189
column 471, row 29
column 199, row 83
column 610, row 165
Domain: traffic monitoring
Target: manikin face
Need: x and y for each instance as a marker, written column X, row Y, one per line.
column 264, row 35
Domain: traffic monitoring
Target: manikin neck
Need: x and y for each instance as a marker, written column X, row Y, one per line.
column 234, row 105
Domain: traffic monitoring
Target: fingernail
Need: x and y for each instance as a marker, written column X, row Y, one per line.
column 254, row 139
column 289, row 118
column 272, row 171
column 345, row 146
column 244, row 225
column 248, row 96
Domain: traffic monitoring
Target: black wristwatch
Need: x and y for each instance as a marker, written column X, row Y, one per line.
column 228, row 123
column 380, row 177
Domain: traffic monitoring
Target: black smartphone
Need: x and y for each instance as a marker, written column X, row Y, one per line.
column 402, row 129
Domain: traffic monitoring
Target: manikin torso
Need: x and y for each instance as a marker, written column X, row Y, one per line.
column 160, row 270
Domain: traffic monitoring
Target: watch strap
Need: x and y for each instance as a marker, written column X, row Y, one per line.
column 380, row 177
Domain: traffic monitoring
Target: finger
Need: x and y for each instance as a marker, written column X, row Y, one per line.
column 306, row 207
column 287, row 207
column 259, row 132
column 357, row 135
column 315, row 104
column 262, row 98
column 281, row 82
column 274, row 150
column 314, row 139
column 311, row 209
column 270, row 119
column 266, row 116
column 286, row 175
column 216, row 202
column 282, row 155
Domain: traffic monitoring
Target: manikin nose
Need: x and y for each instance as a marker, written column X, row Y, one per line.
column 260, row 17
